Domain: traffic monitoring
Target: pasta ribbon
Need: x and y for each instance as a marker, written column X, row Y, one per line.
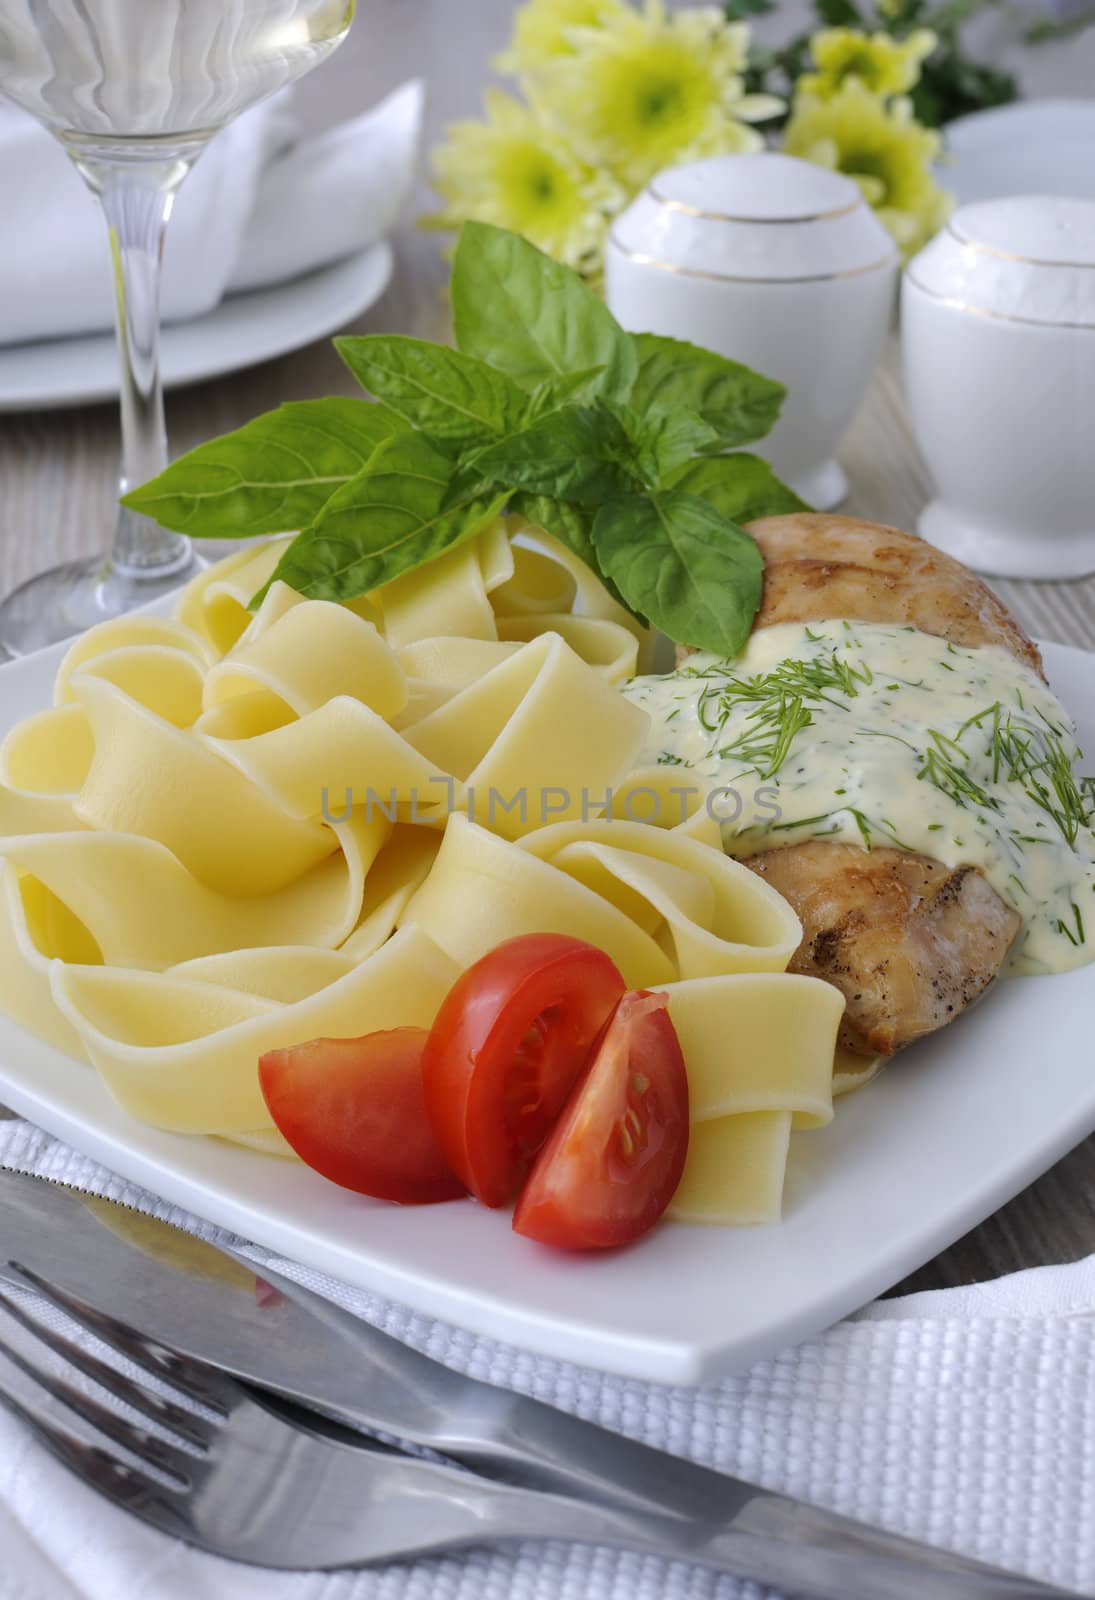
column 181, row 1052
column 758, row 1042
column 25, row 960
column 130, row 633
column 484, row 889
column 450, row 596
column 653, row 796
column 311, row 653
column 613, row 650
column 43, row 761
column 323, row 765
column 216, row 603
column 540, row 730
column 735, row 1171
column 702, row 906
column 117, row 885
column 224, row 829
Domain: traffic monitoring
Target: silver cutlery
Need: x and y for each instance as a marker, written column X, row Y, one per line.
column 257, row 1479
column 196, row 1299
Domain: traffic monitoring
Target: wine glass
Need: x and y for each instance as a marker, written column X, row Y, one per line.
column 134, row 90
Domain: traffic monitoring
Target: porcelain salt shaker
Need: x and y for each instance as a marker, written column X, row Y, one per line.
column 998, row 335
column 772, row 262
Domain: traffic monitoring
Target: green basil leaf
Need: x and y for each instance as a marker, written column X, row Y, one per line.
column 273, row 475
column 665, row 439
column 577, row 453
column 531, row 317
column 556, row 392
column 739, row 486
column 695, row 574
column 739, row 404
column 450, row 396
column 571, row 524
column 394, row 516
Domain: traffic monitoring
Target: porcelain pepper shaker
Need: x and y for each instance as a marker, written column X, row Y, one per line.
column 998, row 334
column 778, row 264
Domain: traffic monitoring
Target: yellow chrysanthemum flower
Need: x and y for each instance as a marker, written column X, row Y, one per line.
column 542, row 28
column 882, row 64
column 883, row 148
column 514, row 170
column 649, row 89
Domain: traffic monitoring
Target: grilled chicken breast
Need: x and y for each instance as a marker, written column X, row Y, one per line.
column 908, row 941
column 820, row 566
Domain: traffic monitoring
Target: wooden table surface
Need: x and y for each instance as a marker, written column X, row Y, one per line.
column 58, row 476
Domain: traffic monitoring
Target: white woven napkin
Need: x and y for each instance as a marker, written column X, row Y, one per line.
column 262, row 205
column 964, row 1417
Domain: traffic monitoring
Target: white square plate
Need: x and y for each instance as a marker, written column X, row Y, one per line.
column 938, row 1142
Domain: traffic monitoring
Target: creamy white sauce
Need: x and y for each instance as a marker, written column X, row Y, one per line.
column 880, row 735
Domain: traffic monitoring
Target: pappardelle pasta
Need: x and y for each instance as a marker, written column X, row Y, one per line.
column 235, row 832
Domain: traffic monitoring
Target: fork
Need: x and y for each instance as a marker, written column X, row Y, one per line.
column 254, row 1478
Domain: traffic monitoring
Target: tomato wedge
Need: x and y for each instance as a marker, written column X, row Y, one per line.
column 505, row 1049
column 617, row 1153
column 354, row 1109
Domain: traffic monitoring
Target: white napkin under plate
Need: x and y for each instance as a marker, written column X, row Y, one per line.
column 964, row 1417
column 263, row 204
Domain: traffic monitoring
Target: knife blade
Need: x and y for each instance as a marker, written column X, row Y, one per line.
column 212, row 1304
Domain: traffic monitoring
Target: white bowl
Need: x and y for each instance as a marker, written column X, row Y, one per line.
column 778, row 264
column 998, row 330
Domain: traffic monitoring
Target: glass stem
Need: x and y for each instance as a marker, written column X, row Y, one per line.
column 136, row 200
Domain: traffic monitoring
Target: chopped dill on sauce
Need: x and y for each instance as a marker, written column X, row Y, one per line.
column 1035, row 758
column 780, row 702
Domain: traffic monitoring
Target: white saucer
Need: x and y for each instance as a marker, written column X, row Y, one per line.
column 243, row 330
column 1007, row 553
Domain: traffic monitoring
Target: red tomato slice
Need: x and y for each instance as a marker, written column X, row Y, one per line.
column 511, row 1037
column 617, row 1153
column 354, row 1109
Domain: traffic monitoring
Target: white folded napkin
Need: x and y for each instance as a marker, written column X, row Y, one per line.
column 963, row 1417
column 262, row 204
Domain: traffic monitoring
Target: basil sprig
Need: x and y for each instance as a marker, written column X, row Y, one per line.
column 614, row 442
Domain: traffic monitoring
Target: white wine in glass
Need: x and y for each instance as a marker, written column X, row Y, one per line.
column 134, row 90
